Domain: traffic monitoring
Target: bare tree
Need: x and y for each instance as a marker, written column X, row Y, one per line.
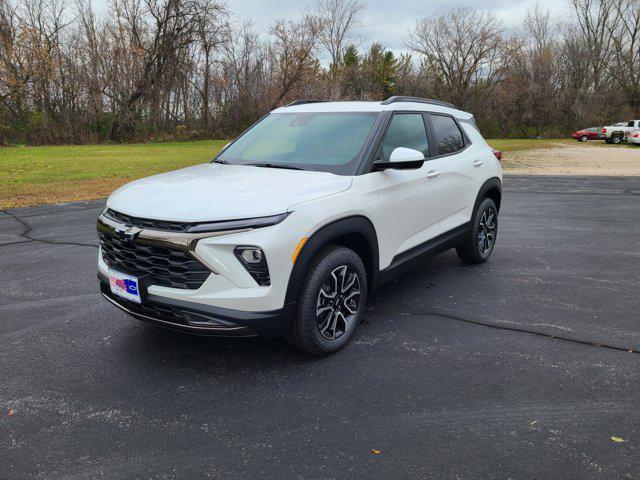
column 338, row 19
column 244, row 80
column 538, row 70
column 177, row 69
column 213, row 32
column 626, row 47
column 292, row 54
column 597, row 20
column 462, row 51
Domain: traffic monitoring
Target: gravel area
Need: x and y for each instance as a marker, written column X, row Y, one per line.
column 579, row 159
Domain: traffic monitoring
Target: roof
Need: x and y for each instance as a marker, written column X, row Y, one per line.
column 398, row 104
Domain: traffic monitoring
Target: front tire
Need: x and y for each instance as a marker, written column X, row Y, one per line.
column 479, row 244
column 331, row 303
column 584, row 138
column 616, row 140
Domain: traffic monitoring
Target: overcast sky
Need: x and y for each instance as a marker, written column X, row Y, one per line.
column 387, row 21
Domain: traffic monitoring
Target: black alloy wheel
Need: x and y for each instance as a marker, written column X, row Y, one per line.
column 331, row 301
column 338, row 302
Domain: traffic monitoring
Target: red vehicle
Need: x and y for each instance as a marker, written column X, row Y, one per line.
column 592, row 133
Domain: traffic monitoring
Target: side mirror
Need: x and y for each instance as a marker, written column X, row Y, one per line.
column 401, row 159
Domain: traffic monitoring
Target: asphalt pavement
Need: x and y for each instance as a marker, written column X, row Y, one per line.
column 521, row 368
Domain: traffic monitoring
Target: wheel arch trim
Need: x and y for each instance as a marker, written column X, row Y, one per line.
column 493, row 183
column 327, row 234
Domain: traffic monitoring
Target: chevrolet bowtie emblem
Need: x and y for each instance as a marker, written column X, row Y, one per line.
column 128, row 233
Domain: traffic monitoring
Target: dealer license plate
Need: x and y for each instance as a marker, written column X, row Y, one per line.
column 125, row 286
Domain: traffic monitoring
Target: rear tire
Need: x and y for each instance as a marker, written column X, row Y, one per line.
column 331, row 302
column 479, row 244
column 607, row 140
column 616, row 139
column 584, row 138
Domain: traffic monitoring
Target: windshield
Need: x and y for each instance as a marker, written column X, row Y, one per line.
column 328, row 142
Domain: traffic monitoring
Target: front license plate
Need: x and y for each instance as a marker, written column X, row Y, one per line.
column 124, row 286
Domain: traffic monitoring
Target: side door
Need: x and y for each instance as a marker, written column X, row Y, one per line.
column 629, row 128
column 463, row 169
column 410, row 200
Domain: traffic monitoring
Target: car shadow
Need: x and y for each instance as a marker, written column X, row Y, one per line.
column 152, row 344
column 416, row 286
column 156, row 344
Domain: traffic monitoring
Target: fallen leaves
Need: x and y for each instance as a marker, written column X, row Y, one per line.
column 618, row 440
column 533, row 424
column 376, row 452
column 10, row 412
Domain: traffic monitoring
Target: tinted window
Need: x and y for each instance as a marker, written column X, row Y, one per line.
column 327, row 142
column 448, row 136
column 406, row 130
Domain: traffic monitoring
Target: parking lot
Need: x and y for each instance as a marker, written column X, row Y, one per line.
column 522, row 368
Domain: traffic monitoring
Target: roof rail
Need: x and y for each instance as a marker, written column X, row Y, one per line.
column 302, row 102
column 399, row 98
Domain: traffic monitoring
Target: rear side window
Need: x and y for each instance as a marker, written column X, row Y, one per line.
column 447, row 134
column 406, row 130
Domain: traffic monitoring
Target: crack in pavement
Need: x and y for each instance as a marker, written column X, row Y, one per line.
column 516, row 329
column 26, row 234
column 61, row 210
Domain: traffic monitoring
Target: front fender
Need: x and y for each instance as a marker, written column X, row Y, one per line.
column 359, row 225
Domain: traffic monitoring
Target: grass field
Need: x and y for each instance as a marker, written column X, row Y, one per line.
column 57, row 174
column 519, row 145
column 40, row 175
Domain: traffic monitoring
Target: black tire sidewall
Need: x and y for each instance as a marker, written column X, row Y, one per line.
column 487, row 203
column 305, row 322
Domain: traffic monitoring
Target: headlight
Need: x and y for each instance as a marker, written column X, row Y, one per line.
column 254, row 260
column 258, row 222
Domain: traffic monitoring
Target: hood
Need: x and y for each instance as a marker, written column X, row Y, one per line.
column 212, row 192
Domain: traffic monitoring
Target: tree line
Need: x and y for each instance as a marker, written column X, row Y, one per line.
column 182, row 69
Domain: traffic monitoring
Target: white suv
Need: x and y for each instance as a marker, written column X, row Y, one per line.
column 286, row 231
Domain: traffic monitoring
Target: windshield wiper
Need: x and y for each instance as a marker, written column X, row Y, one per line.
column 273, row 165
column 219, row 160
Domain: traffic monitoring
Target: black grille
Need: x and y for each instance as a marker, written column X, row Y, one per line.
column 147, row 223
column 168, row 267
column 261, row 275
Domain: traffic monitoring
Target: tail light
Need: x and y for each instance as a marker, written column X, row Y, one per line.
column 498, row 154
column 635, row 135
column 604, row 130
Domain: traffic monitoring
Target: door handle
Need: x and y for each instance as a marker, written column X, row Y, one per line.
column 433, row 174
column 478, row 163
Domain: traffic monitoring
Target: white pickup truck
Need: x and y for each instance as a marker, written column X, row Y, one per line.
column 620, row 131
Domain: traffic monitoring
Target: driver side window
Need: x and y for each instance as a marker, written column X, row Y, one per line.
column 406, row 130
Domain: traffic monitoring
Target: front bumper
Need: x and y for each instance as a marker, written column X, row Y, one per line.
column 223, row 299
column 202, row 319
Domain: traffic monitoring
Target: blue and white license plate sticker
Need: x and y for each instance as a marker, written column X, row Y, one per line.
column 124, row 286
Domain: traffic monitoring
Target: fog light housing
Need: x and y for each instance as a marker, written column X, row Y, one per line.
column 254, row 260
